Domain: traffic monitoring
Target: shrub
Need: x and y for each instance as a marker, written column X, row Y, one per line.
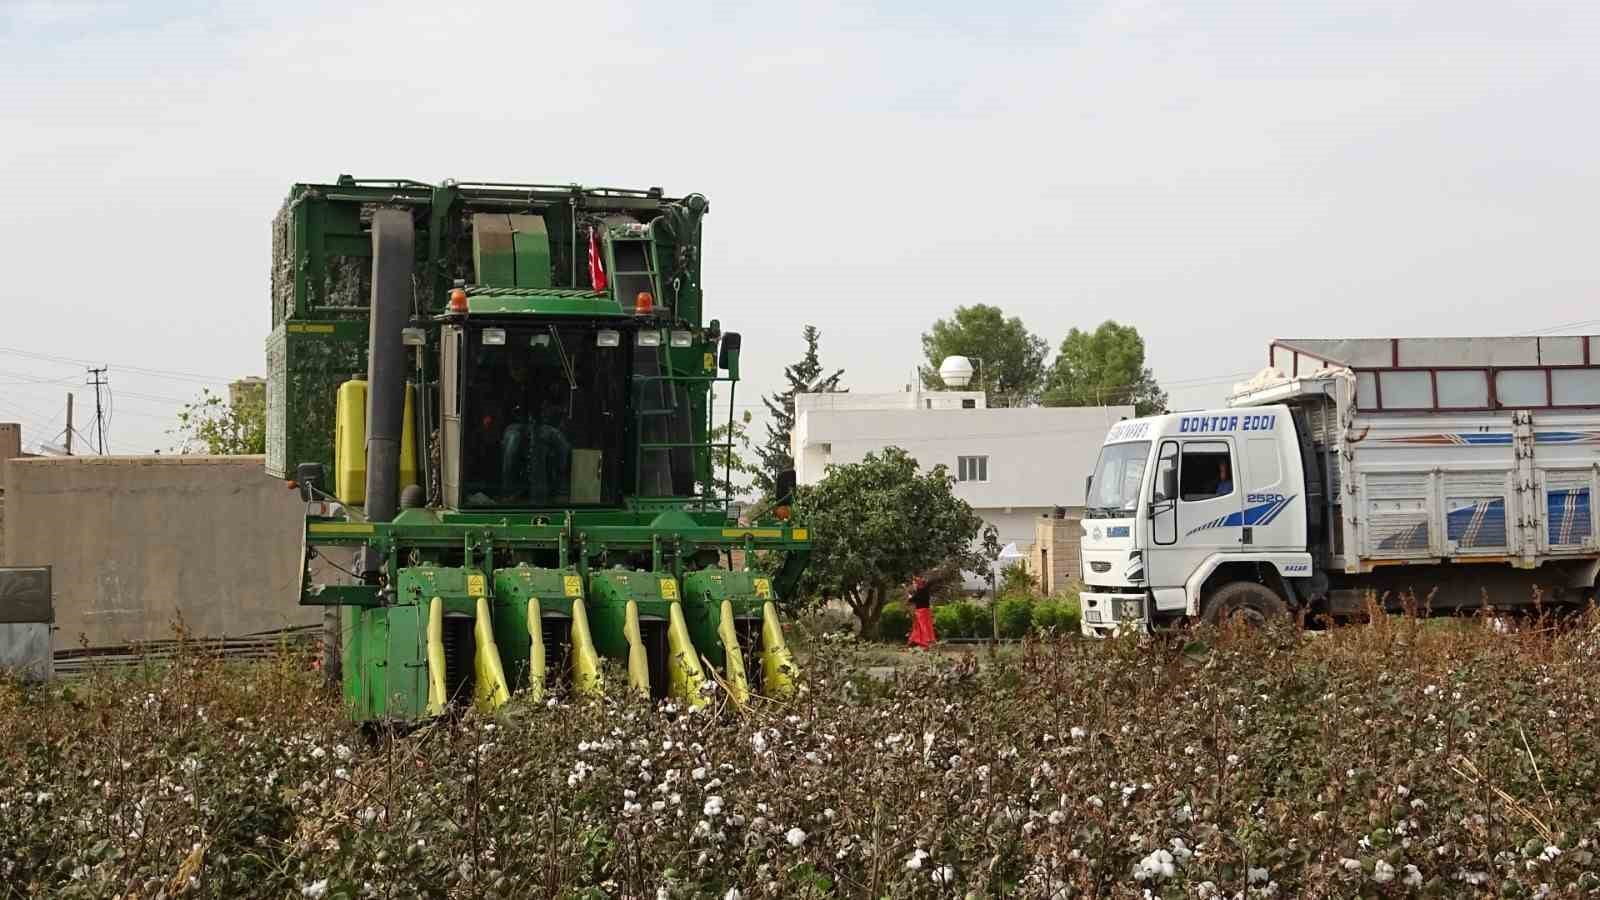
column 1047, row 615
column 1015, row 617
column 974, row 619
column 947, row 622
column 894, row 624
column 1071, row 611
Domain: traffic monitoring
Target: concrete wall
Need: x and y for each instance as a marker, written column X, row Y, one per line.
column 134, row 541
column 1038, row 457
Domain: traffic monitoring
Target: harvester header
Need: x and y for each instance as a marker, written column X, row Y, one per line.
column 504, row 399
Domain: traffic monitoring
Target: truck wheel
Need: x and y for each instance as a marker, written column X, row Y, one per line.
column 1245, row 603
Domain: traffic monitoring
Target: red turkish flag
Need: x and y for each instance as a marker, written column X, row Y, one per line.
column 597, row 273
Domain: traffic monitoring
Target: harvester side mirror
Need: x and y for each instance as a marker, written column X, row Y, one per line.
column 310, row 477
column 730, row 354
column 784, row 488
column 1088, row 483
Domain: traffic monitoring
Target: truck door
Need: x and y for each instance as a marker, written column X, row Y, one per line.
column 1210, row 508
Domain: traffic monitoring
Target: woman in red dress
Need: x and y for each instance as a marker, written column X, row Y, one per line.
column 921, row 613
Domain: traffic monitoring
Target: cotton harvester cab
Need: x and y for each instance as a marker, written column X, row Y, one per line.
column 500, row 405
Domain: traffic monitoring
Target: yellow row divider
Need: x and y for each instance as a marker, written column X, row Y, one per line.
column 778, row 670
column 738, row 684
column 536, row 661
column 586, row 678
column 489, row 685
column 684, row 675
column 638, row 659
column 436, row 698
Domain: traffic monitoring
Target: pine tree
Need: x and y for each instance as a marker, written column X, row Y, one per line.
column 804, row 377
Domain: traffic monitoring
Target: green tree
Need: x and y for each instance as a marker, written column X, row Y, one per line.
column 1104, row 367
column 804, row 377
column 213, row 425
column 1013, row 357
column 876, row 523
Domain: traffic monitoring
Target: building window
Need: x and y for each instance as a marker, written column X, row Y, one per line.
column 972, row 468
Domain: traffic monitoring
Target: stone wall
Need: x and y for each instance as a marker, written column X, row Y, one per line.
column 1054, row 559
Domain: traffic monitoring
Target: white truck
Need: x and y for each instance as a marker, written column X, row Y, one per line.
column 1440, row 474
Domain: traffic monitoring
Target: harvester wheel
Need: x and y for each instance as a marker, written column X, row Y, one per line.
column 1244, row 603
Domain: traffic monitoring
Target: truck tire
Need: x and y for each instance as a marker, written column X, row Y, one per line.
column 1244, row 603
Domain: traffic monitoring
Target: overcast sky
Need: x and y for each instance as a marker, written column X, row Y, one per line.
column 1216, row 174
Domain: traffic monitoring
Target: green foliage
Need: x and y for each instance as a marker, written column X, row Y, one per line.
column 733, row 473
column 213, row 425
column 894, row 624
column 1013, row 357
column 973, row 620
column 1104, row 367
column 1057, row 613
column 804, row 377
column 1017, row 581
column 947, row 622
column 876, row 523
column 1015, row 615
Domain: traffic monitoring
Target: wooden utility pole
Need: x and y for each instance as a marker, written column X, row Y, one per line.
column 69, row 423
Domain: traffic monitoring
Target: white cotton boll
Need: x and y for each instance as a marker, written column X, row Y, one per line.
column 1078, row 734
column 1413, row 876
column 758, row 742
column 315, row 889
column 713, row 806
column 1350, row 865
column 733, row 894
column 699, row 774
column 795, row 837
column 915, row 862
column 1258, row 876
column 1382, row 872
column 943, row 876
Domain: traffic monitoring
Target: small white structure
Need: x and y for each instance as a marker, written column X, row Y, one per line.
column 1012, row 465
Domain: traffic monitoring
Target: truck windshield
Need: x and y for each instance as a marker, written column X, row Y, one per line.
column 543, row 417
column 1114, row 492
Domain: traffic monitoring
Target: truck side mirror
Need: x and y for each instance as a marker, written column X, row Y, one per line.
column 1088, row 484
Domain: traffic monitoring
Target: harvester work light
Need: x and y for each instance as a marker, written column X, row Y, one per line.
column 413, row 337
column 607, row 337
column 649, row 338
column 494, row 337
column 682, row 339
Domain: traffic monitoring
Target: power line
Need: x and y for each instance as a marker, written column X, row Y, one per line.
column 169, row 374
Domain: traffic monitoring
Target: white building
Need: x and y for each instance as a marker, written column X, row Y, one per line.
column 1012, row 465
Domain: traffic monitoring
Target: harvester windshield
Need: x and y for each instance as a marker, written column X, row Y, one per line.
column 543, row 416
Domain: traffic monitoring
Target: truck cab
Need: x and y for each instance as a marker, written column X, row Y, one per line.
column 1181, row 506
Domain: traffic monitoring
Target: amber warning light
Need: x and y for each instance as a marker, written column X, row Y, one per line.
column 458, row 300
column 643, row 304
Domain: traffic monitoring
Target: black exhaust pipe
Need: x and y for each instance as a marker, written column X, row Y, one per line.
column 393, row 257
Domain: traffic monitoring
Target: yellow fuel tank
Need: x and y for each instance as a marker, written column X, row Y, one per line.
column 350, row 442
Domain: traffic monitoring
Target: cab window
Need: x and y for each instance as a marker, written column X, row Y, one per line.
column 1206, row 472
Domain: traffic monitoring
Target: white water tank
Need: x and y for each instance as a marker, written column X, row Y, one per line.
column 956, row 371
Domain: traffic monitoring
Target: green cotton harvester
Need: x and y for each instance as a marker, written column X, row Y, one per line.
column 499, row 402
